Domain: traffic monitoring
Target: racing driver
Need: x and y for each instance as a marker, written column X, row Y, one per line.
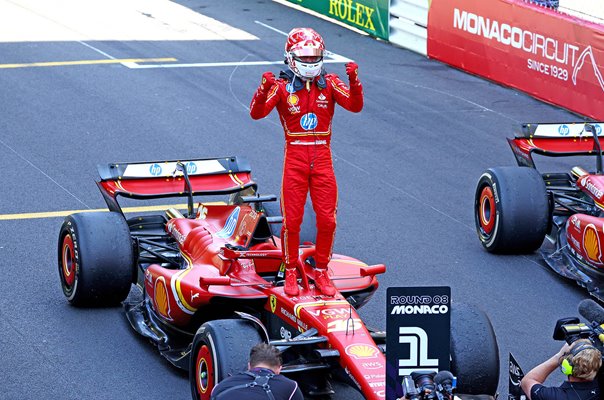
column 305, row 97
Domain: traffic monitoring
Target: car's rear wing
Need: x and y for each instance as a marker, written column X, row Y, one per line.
column 157, row 179
column 554, row 140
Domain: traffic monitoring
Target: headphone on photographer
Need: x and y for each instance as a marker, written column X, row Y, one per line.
column 566, row 365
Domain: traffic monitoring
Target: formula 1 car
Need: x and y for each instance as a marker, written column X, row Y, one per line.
column 210, row 283
column 516, row 208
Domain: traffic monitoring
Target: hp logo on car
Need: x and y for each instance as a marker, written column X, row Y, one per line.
column 309, row 121
column 191, row 168
column 563, row 130
column 155, row 169
column 598, row 129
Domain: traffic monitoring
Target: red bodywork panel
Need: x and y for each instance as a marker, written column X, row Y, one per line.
column 585, row 235
column 177, row 294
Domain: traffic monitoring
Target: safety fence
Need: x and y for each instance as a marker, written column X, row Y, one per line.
column 545, row 53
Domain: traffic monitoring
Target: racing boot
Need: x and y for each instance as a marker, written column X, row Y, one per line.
column 323, row 283
column 291, row 282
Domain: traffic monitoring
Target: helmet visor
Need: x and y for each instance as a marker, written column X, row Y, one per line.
column 308, row 55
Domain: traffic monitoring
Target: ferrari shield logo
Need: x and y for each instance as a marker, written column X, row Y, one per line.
column 273, row 301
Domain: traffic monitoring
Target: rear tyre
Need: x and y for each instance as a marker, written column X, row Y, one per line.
column 511, row 210
column 220, row 349
column 95, row 258
column 474, row 351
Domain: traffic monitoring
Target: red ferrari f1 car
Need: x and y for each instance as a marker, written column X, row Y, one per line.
column 210, row 283
column 516, row 208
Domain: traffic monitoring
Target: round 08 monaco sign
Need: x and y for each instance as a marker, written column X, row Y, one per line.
column 417, row 331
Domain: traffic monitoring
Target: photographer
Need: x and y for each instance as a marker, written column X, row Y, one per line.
column 580, row 361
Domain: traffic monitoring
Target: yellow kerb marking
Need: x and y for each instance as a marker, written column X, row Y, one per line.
column 54, row 214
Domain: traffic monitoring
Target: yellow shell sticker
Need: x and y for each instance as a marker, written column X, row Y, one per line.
column 273, row 302
column 292, row 99
column 360, row 351
column 591, row 243
column 161, row 298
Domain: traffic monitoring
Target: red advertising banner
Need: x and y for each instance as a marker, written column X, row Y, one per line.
column 549, row 55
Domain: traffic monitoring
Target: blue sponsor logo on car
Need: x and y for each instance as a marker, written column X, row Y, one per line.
column 289, row 87
column 230, row 225
column 155, row 169
column 309, row 121
column 598, row 129
column 191, row 168
column 563, row 130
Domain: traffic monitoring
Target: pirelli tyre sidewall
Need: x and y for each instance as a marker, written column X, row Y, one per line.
column 95, row 259
column 220, row 348
column 511, row 209
column 474, row 351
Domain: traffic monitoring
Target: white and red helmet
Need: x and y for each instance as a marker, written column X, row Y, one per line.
column 304, row 50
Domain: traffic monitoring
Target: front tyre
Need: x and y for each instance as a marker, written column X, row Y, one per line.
column 474, row 351
column 95, row 259
column 220, row 349
column 511, row 210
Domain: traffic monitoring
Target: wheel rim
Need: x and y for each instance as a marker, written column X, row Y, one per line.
column 204, row 373
column 486, row 210
column 68, row 262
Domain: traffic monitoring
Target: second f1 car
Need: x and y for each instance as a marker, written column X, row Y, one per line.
column 516, row 208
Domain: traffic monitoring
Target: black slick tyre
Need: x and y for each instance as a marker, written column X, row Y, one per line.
column 95, row 259
column 474, row 351
column 511, row 210
column 220, row 348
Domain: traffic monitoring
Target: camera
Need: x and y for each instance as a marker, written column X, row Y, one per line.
column 571, row 330
column 429, row 385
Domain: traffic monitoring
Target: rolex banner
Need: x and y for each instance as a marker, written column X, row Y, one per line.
column 370, row 16
column 547, row 54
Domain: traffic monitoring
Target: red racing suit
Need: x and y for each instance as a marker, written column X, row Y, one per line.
column 306, row 115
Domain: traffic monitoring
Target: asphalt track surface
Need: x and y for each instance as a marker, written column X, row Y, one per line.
column 407, row 166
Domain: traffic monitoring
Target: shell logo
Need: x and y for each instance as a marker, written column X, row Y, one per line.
column 360, row 351
column 591, row 243
column 292, row 99
column 162, row 302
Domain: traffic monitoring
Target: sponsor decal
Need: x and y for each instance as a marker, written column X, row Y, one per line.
column 191, row 167
column 321, row 97
column 377, row 384
column 180, row 238
column 348, row 325
column 331, row 313
column 593, row 189
column 575, row 222
column 155, row 169
column 420, row 299
column 362, row 351
column 591, row 244
column 273, row 302
column 289, row 315
column 372, row 365
column 285, row 334
column 598, row 128
column 289, row 87
column 309, row 121
column 300, row 306
column 292, row 99
column 423, row 309
column 230, row 224
column 563, row 130
column 160, row 296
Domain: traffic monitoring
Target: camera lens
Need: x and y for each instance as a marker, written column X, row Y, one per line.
column 424, row 379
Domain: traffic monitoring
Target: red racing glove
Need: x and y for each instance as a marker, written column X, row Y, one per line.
column 352, row 70
column 268, row 80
